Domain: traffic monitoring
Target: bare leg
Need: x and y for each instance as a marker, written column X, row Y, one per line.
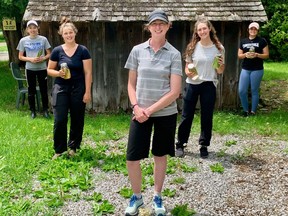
column 135, row 175
column 160, row 165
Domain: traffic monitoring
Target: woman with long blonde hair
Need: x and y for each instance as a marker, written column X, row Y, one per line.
column 204, row 58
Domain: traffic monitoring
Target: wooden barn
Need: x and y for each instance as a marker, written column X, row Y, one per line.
column 110, row 28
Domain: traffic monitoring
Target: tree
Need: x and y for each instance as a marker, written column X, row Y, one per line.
column 10, row 9
column 276, row 29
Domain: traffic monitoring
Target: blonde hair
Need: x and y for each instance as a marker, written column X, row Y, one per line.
column 195, row 37
column 65, row 22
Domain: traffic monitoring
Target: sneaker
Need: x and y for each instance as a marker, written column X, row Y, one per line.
column 46, row 114
column 134, row 205
column 72, row 153
column 158, row 206
column 33, row 114
column 245, row 114
column 56, row 155
column 203, row 152
column 179, row 152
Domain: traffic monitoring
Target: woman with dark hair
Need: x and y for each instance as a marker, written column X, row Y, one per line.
column 204, row 58
column 252, row 50
column 71, row 65
column 37, row 51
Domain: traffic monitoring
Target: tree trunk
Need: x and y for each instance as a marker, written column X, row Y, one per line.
column 12, row 39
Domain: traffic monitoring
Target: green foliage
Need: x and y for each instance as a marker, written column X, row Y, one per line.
column 230, row 143
column 218, row 167
column 276, row 30
column 32, row 184
column 188, row 169
column 221, row 153
column 179, row 180
column 182, row 210
column 126, row 192
column 103, row 208
column 13, row 8
column 169, row 193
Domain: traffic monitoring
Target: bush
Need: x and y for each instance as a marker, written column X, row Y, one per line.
column 276, row 30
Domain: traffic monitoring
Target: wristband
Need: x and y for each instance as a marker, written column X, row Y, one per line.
column 133, row 105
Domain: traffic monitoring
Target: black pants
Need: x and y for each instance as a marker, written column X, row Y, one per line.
column 41, row 76
column 67, row 98
column 206, row 91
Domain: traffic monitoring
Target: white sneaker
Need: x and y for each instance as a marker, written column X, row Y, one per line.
column 134, row 205
column 158, row 206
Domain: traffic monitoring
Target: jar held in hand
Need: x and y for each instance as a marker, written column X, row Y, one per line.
column 192, row 69
column 64, row 67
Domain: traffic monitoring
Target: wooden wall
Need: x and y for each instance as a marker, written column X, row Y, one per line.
column 111, row 42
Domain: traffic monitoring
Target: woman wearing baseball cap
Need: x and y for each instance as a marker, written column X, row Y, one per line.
column 253, row 50
column 154, row 84
column 37, row 49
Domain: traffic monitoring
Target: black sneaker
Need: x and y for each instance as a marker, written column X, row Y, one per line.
column 179, row 152
column 245, row 114
column 46, row 114
column 33, row 114
column 203, row 152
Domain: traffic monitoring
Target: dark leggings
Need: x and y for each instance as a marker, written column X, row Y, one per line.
column 41, row 77
column 206, row 91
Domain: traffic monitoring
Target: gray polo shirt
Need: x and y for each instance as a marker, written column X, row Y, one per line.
column 153, row 74
column 33, row 47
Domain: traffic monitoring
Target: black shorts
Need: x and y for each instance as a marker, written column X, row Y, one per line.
column 163, row 137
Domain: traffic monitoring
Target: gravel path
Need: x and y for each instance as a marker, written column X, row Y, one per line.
column 254, row 182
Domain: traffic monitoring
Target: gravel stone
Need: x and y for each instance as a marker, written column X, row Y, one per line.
column 254, row 182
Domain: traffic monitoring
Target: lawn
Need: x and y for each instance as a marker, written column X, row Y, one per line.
column 32, row 184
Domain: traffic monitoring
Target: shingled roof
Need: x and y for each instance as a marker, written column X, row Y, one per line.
column 138, row 10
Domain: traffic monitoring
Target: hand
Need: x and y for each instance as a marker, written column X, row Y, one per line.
column 139, row 114
column 35, row 60
column 42, row 58
column 250, row 55
column 61, row 74
column 87, row 98
column 191, row 73
column 220, row 61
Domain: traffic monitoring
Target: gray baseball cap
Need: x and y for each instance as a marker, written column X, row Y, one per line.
column 158, row 14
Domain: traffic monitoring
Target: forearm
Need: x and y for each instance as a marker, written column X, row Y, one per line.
column 165, row 101
column 26, row 59
column 242, row 56
column 53, row 73
column 262, row 55
column 88, row 82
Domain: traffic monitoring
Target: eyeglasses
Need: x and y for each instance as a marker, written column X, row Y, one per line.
column 161, row 24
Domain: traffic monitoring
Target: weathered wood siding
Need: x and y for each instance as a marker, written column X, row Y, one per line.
column 111, row 42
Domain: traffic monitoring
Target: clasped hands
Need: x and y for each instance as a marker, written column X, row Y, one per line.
column 38, row 59
column 141, row 115
column 251, row 55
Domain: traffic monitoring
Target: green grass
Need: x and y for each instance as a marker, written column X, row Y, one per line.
column 2, row 39
column 3, row 49
column 275, row 71
column 32, row 184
